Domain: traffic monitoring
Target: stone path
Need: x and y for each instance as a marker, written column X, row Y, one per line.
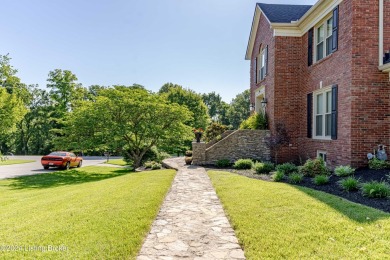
column 191, row 223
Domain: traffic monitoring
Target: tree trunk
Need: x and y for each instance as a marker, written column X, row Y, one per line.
column 137, row 161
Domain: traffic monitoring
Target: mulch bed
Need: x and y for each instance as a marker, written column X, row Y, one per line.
column 364, row 174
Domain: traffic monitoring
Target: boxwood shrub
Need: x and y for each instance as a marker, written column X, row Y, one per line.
column 243, row 164
column 223, row 163
column 263, row 167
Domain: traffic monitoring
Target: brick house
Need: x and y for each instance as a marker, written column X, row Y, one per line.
column 324, row 71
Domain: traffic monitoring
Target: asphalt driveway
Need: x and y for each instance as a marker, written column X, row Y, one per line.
column 15, row 170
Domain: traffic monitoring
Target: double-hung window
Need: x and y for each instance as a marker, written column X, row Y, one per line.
column 262, row 64
column 323, row 114
column 324, row 38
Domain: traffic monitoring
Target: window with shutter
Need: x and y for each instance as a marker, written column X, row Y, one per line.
column 325, row 113
column 262, row 61
column 326, row 36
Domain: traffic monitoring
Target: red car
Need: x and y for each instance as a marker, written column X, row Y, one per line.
column 61, row 159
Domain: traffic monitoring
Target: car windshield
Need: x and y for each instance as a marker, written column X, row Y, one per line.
column 57, row 154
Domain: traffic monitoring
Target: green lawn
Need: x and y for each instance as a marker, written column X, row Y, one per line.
column 120, row 162
column 280, row 221
column 92, row 212
column 15, row 161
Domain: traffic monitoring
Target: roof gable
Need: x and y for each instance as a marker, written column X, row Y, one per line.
column 279, row 13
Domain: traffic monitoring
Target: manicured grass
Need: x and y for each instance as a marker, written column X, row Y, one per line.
column 120, row 162
column 281, row 221
column 15, row 161
column 93, row 212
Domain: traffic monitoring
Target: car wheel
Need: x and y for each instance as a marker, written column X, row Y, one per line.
column 46, row 167
column 80, row 164
column 67, row 166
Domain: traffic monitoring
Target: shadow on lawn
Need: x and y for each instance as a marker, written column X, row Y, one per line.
column 61, row 178
column 354, row 211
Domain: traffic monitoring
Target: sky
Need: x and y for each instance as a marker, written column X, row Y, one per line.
column 199, row 44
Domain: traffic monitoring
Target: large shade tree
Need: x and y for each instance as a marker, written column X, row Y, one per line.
column 239, row 109
column 13, row 95
column 11, row 111
column 217, row 107
column 33, row 134
column 128, row 119
column 190, row 99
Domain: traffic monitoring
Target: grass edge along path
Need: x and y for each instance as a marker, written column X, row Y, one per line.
column 15, row 161
column 91, row 213
column 277, row 220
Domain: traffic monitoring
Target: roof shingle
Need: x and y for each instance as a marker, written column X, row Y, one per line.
column 278, row 13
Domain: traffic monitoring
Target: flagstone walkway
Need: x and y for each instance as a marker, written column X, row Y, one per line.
column 191, row 223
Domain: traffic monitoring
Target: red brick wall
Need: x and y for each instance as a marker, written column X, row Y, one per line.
column 386, row 23
column 294, row 79
column 370, row 87
column 288, row 106
column 363, row 91
column 264, row 36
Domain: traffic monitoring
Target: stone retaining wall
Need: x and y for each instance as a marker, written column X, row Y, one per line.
column 223, row 135
column 239, row 144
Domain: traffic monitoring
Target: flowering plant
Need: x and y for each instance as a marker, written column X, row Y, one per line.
column 199, row 130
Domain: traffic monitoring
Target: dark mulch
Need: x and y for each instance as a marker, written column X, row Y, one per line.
column 364, row 174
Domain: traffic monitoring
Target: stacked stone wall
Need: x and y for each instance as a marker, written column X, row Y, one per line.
column 238, row 145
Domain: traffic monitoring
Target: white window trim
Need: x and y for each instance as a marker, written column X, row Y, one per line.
column 261, row 64
column 324, row 23
column 322, row 152
column 314, row 112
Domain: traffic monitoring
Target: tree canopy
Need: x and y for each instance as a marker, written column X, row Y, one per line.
column 190, row 99
column 132, row 120
column 239, row 109
column 11, row 111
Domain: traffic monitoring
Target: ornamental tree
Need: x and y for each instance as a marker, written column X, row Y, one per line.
column 127, row 119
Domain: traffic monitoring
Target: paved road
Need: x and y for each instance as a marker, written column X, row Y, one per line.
column 11, row 171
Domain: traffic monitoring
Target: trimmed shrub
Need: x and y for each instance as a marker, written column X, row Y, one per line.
column 314, row 167
column 287, row 168
column 223, row 163
column 156, row 166
column 349, row 184
column 376, row 189
column 255, row 121
column 320, row 180
column 295, row 178
column 377, row 164
column 278, row 176
column 188, row 153
column 343, row 171
column 243, row 164
column 265, row 167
